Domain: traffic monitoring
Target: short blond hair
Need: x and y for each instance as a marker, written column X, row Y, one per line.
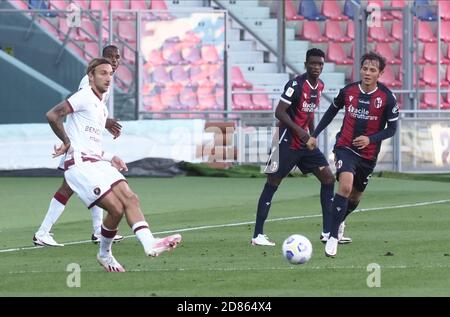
column 96, row 62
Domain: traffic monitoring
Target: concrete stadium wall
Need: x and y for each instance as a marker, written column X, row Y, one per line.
column 26, row 95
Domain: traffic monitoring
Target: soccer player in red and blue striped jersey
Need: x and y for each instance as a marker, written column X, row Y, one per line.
column 371, row 115
column 295, row 111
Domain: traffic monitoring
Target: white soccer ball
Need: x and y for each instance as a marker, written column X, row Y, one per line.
column 297, row 249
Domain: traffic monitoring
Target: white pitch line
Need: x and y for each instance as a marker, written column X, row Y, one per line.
column 254, row 269
column 425, row 203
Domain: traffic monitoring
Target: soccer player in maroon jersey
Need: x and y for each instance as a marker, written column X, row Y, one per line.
column 295, row 111
column 371, row 115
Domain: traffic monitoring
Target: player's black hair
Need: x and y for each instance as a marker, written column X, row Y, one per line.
column 372, row 56
column 314, row 52
column 109, row 48
column 96, row 62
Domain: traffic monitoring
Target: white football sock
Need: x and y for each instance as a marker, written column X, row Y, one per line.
column 55, row 209
column 144, row 235
column 106, row 240
column 97, row 218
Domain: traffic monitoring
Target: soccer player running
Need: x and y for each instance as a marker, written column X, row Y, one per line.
column 295, row 113
column 58, row 203
column 93, row 173
column 371, row 115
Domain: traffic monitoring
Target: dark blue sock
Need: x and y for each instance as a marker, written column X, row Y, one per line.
column 350, row 207
column 338, row 211
column 326, row 200
column 265, row 200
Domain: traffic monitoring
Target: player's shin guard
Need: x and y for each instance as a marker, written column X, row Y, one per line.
column 265, row 200
column 338, row 211
column 326, row 200
column 350, row 207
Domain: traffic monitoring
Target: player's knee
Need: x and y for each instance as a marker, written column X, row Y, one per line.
column 274, row 181
column 329, row 180
column 65, row 190
column 345, row 189
column 132, row 200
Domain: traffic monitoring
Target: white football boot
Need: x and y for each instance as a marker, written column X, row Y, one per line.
column 262, row 239
column 110, row 263
column 45, row 240
column 164, row 244
column 341, row 238
column 331, row 247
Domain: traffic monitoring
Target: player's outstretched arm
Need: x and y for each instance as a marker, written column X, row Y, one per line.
column 326, row 119
column 55, row 118
column 113, row 127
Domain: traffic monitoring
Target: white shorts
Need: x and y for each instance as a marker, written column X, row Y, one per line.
column 92, row 180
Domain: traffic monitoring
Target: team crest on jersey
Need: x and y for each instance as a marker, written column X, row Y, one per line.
column 378, row 102
column 339, row 164
column 294, row 83
column 289, row 92
column 97, row 191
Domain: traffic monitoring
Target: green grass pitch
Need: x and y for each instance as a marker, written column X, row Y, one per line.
column 408, row 240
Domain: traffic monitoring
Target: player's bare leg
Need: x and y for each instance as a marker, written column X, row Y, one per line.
column 136, row 220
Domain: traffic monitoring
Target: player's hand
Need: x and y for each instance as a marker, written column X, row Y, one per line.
column 118, row 163
column 312, row 143
column 361, row 142
column 113, row 127
column 60, row 150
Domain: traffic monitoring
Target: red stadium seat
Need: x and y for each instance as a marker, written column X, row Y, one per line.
column 199, row 73
column 155, row 58
column 120, row 5
column 397, row 4
column 425, row 32
column 153, row 103
column 188, row 98
column 311, row 31
column 91, row 50
column 88, row 31
column 389, row 79
column 429, row 76
column 445, row 31
column 180, row 74
column 127, row 31
column 102, row 6
column 160, row 75
column 430, row 100
column 206, row 96
column 333, row 11
column 169, row 96
column 171, row 52
column 446, row 104
column 447, row 73
column 291, row 12
column 379, row 34
column 216, row 74
column 386, row 51
column 430, row 52
column 261, row 101
column 158, row 5
column 242, row 101
column 237, row 78
column 336, row 54
column 334, row 32
column 444, row 7
column 191, row 54
column 83, row 4
column 220, row 102
column 138, row 5
column 209, row 54
column 397, row 30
